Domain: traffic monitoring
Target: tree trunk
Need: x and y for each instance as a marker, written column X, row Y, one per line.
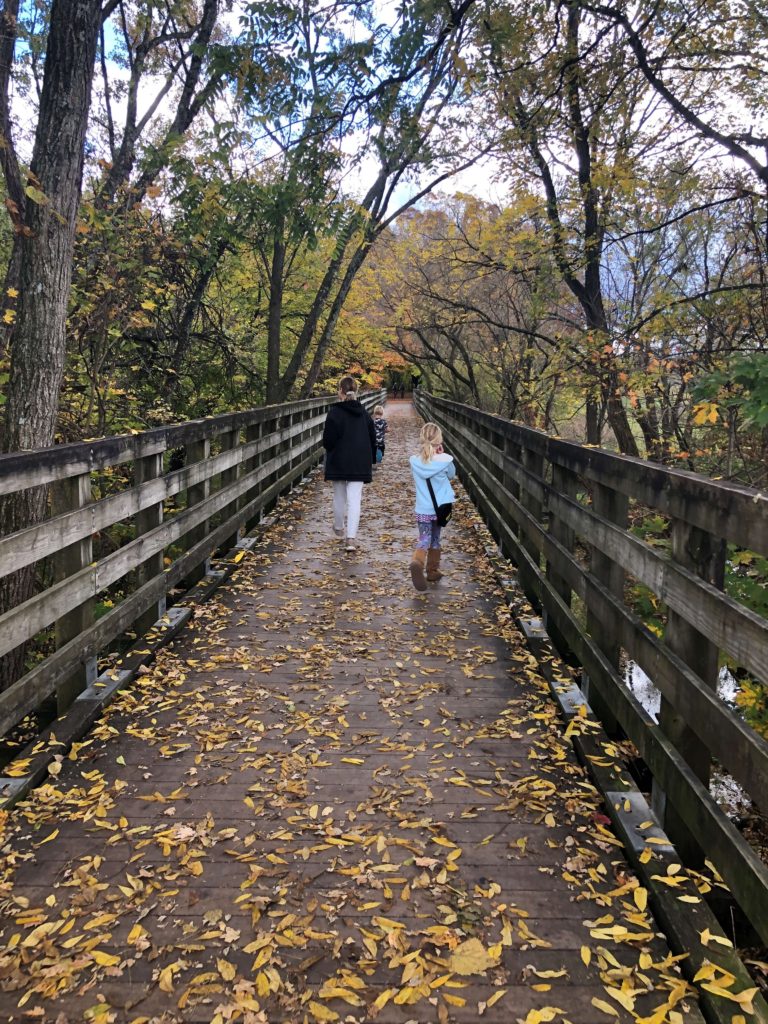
column 648, row 422
column 358, row 258
column 16, row 199
column 619, row 421
column 593, row 421
column 275, row 313
column 45, row 269
column 186, row 323
column 614, row 407
column 318, row 305
column 191, row 100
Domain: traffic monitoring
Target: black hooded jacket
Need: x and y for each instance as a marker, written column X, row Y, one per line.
column 349, row 440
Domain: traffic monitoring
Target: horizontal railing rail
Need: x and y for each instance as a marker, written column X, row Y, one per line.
column 562, row 513
column 176, row 495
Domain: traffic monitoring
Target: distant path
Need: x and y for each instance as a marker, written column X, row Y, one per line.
column 315, row 798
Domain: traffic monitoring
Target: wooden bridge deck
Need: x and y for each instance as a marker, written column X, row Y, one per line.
column 332, row 799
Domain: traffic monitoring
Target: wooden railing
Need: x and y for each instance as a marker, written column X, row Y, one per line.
column 561, row 512
column 163, row 501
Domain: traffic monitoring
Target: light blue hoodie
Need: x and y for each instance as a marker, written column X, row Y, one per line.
column 440, row 469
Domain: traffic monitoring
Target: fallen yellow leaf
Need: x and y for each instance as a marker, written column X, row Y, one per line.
column 226, row 969
column 604, row 1007
column 471, row 957
column 105, row 959
column 321, row 1012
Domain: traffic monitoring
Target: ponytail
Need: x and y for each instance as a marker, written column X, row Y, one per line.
column 430, row 437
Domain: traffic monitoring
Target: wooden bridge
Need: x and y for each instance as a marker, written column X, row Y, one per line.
column 334, row 799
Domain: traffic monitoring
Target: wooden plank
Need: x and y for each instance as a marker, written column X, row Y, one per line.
column 28, row 692
column 736, row 861
column 198, row 451
column 252, row 441
column 512, row 453
column 567, row 483
column 150, row 517
column 27, row 619
column 743, row 752
column 533, row 463
column 736, row 513
column 230, row 441
column 614, row 507
column 287, row 422
column 36, row 542
column 742, row 633
column 21, row 470
column 70, row 494
column 704, row 554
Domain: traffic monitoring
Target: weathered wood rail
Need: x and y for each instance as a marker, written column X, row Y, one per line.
column 180, row 493
column 561, row 512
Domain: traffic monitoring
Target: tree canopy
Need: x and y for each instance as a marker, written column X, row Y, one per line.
column 556, row 211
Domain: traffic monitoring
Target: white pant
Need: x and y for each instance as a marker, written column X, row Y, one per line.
column 347, row 495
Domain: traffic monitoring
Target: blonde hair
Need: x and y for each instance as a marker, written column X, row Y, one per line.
column 430, row 437
column 379, row 410
column 348, row 386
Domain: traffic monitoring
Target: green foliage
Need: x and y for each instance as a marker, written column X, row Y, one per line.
column 648, row 607
column 746, row 580
column 653, row 529
column 324, row 115
column 752, row 698
column 740, row 385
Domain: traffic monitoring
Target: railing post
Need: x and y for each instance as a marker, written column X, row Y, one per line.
column 197, row 451
column 149, row 468
column 284, row 448
column 305, row 417
column 511, row 450
column 318, row 448
column 230, row 441
column 271, row 426
column 491, row 438
column 614, row 506
column 565, row 483
column 703, row 554
column 252, row 433
column 68, row 495
column 533, row 462
column 300, row 418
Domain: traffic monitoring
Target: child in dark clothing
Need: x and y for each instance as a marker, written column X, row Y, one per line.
column 381, row 427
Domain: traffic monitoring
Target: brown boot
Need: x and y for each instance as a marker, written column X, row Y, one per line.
column 417, row 568
column 433, row 565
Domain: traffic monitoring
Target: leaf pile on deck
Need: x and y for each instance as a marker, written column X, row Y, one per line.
column 331, row 801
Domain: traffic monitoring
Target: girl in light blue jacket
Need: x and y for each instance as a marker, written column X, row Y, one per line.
column 432, row 464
